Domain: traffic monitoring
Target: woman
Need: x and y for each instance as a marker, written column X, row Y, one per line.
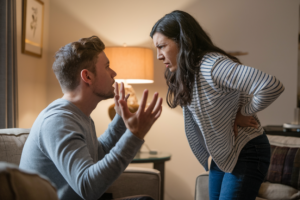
column 220, row 98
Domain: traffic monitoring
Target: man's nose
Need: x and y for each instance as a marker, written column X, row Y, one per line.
column 114, row 74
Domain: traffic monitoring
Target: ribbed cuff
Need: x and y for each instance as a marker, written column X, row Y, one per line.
column 243, row 111
column 128, row 145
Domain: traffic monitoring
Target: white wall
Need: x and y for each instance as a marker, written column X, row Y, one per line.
column 32, row 84
column 267, row 29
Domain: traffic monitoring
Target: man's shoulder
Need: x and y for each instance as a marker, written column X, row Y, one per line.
column 59, row 114
column 61, row 108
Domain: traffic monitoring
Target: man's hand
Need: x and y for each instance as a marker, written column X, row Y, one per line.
column 243, row 121
column 140, row 122
column 119, row 97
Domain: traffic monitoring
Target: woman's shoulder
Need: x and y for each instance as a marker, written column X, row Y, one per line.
column 212, row 57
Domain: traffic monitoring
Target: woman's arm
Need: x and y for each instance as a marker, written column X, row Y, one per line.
column 261, row 88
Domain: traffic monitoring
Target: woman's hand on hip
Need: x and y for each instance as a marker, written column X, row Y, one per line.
column 243, row 121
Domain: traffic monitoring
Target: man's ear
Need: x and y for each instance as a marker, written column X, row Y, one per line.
column 86, row 76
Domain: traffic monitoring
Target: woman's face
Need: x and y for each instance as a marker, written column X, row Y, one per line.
column 167, row 50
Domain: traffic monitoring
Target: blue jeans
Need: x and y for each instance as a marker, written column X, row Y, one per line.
column 248, row 174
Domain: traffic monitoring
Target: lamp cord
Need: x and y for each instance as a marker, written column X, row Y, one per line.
column 149, row 150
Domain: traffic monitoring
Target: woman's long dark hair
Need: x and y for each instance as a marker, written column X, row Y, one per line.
column 193, row 44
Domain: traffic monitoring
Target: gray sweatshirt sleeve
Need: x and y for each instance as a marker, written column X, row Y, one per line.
column 111, row 136
column 62, row 139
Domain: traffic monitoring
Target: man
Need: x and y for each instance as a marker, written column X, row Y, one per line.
column 62, row 144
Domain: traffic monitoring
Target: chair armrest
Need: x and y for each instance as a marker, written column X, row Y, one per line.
column 17, row 183
column 201, row 190
column 137, row 181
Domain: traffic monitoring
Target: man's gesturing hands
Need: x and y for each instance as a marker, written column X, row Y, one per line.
column 140, row 122
column 118, row 97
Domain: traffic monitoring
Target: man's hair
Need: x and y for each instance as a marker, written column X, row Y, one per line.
column 71, row 59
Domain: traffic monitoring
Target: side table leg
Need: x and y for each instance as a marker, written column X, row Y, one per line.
column 160, row 166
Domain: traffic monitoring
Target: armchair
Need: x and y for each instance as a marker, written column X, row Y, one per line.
column 134, row 181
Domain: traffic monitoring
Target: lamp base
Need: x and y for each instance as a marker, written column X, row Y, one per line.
column 129, row 90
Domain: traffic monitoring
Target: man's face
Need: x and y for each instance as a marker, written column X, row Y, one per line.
column 104, row 78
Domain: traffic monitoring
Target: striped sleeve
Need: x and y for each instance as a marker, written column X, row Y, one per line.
column 262, row 89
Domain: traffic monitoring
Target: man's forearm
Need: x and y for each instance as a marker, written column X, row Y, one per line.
column 112, row 134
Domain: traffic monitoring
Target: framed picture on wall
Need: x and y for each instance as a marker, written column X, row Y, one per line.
column 32, row 27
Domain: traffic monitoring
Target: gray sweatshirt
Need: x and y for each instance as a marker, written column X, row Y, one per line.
column 63, row 146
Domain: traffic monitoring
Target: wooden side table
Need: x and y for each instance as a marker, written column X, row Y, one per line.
column 158, row 161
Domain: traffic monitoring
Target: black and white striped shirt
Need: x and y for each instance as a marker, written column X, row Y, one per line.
column 220, row 89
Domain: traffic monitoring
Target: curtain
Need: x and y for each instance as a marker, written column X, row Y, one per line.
column 8, row 65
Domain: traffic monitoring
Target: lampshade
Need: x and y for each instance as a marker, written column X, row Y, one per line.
column 132, row 64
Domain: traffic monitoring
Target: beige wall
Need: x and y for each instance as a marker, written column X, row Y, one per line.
column 266, row 29
column 32, row 84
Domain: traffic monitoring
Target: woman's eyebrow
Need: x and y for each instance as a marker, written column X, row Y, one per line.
column 159, row 44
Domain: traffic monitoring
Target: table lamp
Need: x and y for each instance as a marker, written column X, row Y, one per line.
column 133, row 65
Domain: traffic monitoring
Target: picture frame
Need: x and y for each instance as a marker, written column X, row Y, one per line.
column 32, row 27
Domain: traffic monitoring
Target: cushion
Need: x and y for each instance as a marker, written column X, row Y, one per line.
column 11, row 144
column 21, row 184
column 285, row 161
column 283, row 141
column 277, row 191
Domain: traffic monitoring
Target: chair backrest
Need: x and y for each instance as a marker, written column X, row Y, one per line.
column 12, row 141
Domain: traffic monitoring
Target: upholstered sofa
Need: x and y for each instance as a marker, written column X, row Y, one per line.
column 283, row 177
column 20, row 184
